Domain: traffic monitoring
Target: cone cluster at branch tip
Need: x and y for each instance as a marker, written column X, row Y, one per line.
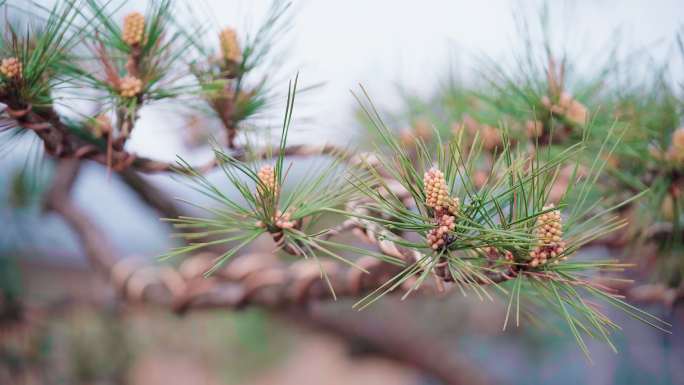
column 230, row 48
column 437, row 197
column 267, row 177
column 436, row 194
column 568, row 107
column 550, row 244
column 130, row 86
column 133, row 28
column 11, row 68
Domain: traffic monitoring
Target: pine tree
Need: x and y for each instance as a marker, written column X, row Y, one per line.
column 492, row 192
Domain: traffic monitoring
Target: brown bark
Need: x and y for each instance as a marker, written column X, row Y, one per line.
column 250, row 280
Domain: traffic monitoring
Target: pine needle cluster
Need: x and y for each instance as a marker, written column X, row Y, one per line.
column 226, row 75
column 506, row 236
column 268, row 206
column 490, row 191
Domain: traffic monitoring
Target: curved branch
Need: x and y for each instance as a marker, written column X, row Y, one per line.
column 150, row 194
column 252, row 281
column 249, row 280
column 96, row 243
column 151, row 166
column 61, row 143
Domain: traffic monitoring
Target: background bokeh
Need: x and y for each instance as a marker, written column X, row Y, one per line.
column 391, row 47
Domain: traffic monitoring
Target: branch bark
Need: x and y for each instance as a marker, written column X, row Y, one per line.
column 150, row 194
column 96, row 244
column 61, row 143
column 250, row 280
column 400, row 341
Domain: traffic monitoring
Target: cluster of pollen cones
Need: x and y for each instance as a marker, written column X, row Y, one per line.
column 445, row 208
column 130, row 86
column 267, row 177
column 269, row 185
column 550, row 244
column 11, row 68
column 494, row 253
column 133, row 34
column 133, row 28
column 230, row 48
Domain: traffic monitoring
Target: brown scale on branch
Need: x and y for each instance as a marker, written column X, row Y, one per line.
column 493, row 254
column 224, row 102
column 102, row 126
column 498, row 271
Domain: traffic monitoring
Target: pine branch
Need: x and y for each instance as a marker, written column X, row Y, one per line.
column 417, row 199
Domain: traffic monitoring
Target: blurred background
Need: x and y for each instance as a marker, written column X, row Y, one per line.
column 76, row 332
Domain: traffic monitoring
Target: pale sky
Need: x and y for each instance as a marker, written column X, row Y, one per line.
column 385, row 43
